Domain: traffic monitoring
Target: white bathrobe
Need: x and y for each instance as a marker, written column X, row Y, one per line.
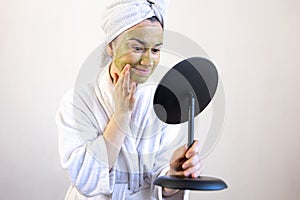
column 82, row 118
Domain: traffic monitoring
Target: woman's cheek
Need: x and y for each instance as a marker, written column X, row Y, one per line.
column 123, row 60
column 156, row 60
column 135, row 57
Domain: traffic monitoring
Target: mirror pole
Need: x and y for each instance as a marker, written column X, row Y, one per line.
column 191, row 120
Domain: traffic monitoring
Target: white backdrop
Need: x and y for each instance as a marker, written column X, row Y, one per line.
column 255, row 44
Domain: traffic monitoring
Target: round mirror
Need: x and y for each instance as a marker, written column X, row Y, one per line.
column 197, row 76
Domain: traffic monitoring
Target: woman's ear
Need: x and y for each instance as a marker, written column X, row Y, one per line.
column 109, row 50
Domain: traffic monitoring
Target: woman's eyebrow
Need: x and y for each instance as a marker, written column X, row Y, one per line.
column 159, row 44
column 138, row 40
column 142, row 42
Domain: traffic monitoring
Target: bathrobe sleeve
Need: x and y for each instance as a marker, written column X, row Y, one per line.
column 82, row 147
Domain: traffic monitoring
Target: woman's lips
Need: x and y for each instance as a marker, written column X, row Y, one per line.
column 142, row 71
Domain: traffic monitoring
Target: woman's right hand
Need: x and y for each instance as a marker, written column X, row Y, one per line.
column 118, row 126
column 124, row 97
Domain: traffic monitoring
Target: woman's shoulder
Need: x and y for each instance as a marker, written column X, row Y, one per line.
column 80, row 95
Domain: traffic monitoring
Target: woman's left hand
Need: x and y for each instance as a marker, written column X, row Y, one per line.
column 187, row 162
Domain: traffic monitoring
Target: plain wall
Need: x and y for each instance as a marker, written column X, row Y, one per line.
column 254, row 43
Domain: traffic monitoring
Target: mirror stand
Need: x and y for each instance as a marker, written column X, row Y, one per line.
column 189, row 183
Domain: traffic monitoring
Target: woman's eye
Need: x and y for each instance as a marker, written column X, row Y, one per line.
column 155, row 50
column 138, row 49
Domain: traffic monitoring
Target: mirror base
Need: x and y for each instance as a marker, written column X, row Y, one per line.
column 186, row 183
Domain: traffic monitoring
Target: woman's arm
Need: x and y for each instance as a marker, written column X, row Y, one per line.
column 82, row 148
column 118, row 126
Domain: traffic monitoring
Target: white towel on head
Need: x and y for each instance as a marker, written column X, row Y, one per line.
column 120, row 15
column 123, row 14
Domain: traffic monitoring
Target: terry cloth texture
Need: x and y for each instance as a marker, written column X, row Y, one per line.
column 123, row 14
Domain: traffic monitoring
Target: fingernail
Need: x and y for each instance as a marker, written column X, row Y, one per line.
column 186, row 174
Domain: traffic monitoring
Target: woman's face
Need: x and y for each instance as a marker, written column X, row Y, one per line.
column 138, row 46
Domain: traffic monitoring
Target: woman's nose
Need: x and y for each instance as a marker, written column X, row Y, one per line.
column 147, row 59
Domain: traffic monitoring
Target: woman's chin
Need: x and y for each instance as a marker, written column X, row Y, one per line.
column 139, row 79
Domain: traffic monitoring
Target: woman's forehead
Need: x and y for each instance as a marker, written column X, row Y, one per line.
column 151, row 33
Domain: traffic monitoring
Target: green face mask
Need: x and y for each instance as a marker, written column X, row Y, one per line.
column 138, row 46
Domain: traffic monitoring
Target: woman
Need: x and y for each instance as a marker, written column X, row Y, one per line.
column 110, row 141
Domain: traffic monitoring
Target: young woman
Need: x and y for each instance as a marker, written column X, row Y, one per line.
column 110, row 141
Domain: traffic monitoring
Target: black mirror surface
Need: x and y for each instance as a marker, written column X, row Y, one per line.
column 197, row 76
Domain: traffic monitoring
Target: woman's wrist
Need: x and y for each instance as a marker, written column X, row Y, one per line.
column 122, row 121
column 168, row 191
